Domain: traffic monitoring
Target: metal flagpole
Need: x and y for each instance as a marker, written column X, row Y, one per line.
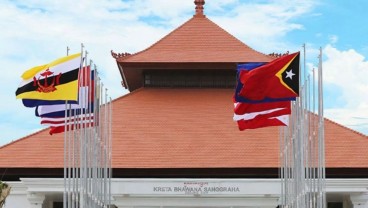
column 73, row 163
column 96, row 144
column 100, row 151
column 88, row 143
column 110, row 151
column 82, row 130
column 88, row 136
column 68, row 127
column 65, row 159
column 321, row 131
column 92, row 136
column 65, row 147
column 314, row 157
column 281, row 165
column 305, row 136
column 105, row 148
column 302, row 147
column 307, row 143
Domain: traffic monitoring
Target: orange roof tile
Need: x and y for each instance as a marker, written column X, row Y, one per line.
column 197, row 40
column 184, row 128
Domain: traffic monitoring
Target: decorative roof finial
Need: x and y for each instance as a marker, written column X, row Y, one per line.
column 199, row 7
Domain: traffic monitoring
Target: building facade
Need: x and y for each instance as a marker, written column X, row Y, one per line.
column 174, row 141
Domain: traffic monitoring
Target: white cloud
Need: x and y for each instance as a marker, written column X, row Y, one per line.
column 356, row 119
column 257, row 24
column 348, row 70
column 333, row 39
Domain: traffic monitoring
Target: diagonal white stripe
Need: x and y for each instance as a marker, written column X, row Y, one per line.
column 61, row 68
column 249, row 116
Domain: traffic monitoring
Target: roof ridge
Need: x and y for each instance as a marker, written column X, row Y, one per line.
column 345, row 127
column 235, row 38
column 127, row 57
column 160, row 40
column 128, row 94
column 23, row 138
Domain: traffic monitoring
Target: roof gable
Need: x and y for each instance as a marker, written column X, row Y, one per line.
column 197, row 40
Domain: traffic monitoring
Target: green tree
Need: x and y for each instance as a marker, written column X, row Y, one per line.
column 4, row 192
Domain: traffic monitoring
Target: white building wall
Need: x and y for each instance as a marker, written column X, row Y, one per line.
column 190, row 193
column 18, row 196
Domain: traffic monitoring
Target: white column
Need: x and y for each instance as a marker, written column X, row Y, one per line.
column 346, row 203
column 36, row 200
column 359, row 200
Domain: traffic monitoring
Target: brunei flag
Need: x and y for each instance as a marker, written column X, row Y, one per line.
column 56, row 81
column 85, row 99
column 275, row 80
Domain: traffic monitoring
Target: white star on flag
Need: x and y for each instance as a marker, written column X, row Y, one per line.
column 290, row 74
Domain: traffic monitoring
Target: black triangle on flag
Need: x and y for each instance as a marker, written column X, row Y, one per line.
column 290, row 75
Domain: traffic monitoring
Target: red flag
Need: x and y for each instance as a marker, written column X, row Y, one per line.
column 258, row 115
column 56, row 129
column 60, row 121
column 276, row 79
column 61, row 129
column 57, row 125
column 263, row 122
column 243, row 108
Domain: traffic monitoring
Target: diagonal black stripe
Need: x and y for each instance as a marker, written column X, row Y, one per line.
column 65, row 78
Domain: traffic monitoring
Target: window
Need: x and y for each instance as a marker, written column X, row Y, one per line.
column 190, row 79
column 58, row 205
column 334, row 205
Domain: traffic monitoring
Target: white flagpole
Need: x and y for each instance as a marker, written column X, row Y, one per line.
column 97, row 146
column 88, row 146
column 105, row 148
column 90, row 136
column 92, row 156
column 65, row 148
column 82, row 131
column 110, row 151
column 302, row 150
column 313, row 145
column 100, row 151
column 321, row 132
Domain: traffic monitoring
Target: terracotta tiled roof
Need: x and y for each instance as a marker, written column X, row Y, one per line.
column 35, row 151
column 184, row 128
column 197, row 40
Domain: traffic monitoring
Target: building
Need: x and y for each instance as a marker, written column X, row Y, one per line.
column 174, row 141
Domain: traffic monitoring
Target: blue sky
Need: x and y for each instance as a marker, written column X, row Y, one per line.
column 37, row 32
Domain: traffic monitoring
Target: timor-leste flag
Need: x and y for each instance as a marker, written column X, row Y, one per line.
column 276, row 79
column 55, row 81
column 248, row 67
